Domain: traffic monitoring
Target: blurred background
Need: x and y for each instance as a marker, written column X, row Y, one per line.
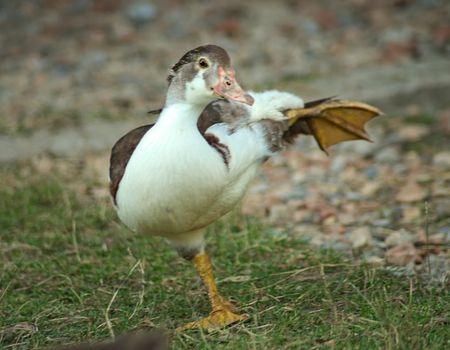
column 66, row 62
column 76, row 75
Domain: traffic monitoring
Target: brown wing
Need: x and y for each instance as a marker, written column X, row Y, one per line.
column 209, row 117
column 222, row 111
column 120, row 155
column 330, row 121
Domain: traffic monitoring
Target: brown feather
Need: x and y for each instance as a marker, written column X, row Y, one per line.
column 121, row 154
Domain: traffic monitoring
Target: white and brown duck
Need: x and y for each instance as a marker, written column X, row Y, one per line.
column 193, row 165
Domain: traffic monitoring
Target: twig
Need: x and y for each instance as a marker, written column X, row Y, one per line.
column 427, row 237
column 328, row 292
column 74, row 239
column 141, row 293
column 108, row 321
column 5, row 290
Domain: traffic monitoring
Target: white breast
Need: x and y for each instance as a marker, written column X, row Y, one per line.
column 175, row 182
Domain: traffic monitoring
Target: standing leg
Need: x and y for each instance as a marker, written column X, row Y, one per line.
column 222, row 313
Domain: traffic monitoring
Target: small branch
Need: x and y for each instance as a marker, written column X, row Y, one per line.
column 108, row 320
column 427, row 237
column 74, row 240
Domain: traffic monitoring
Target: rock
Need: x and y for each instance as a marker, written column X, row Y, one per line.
column 410, row 214
column 93, row 59
column 442, row 208
column 440, row 189
column 399, row 237
column 370, row 188
column 411, row 192
column 384, row 222
column 353, row 196
column 306, row 231
column 375, row 260
column 280, row 214
column 442, row 160
column 309, row 25
column 346, row 218
column 412, row 160
column 402, row 255
column 254, row 205
column 413, row 132
column 371, row 172
column 360, row 238
column 388, row 155
column 317, row 240
column 362, row 149
column 335, row 245
column 140, row 13
column 444, row 121
column 338, row 163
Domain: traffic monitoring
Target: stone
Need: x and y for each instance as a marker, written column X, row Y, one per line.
column 411, row 214
column 413, row 132
column 399, row 237
column 388, row 155
column 360, row 238
column 338, row 163
column 411, row 192
column 370, row 188
column 402, row 255
column 375, row 260
column 442, row 160
column 140, row 13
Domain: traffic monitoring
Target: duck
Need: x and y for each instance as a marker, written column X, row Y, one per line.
column 175, row 177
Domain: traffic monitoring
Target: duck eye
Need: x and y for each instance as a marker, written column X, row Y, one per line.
column 203, row 63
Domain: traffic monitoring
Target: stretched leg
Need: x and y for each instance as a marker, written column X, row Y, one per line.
column 222, row 313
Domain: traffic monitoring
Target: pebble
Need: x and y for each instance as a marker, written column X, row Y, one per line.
column 338, row 163
column 388, row 155
column 375, row 260
column 140, row 13
column 411, row 192
column 402, row 255
column 399, row 237
column 442, row 207
column 93, row 58
column 371, row 172
column 411, row 214
column 442, row 159
column 370, row 188
column 385, row 222
column 360, row 238
column 280, row 213
column 413, row 132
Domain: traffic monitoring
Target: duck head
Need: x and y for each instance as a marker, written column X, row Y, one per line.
column 202, row 75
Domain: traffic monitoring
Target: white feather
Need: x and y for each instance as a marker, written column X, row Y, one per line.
column 175, row 183
column 270, row 104
column 197, row 93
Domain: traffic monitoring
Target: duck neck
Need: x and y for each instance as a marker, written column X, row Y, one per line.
column 182, row 114
column 182, row 93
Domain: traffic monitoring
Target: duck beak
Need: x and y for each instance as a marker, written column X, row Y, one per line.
column 227, row 87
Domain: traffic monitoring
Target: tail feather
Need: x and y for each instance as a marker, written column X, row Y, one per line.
column 314, row 103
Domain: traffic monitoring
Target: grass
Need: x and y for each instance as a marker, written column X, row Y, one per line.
column 71, row 272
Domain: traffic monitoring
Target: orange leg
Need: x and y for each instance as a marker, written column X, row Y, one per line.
column 222, row 313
